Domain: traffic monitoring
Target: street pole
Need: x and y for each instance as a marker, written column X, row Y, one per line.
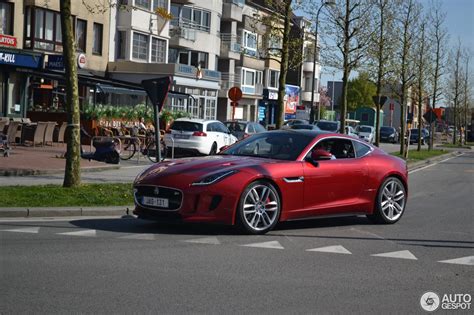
column 327, row 2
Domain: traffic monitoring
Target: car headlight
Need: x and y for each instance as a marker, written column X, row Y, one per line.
column 214, row 178
column 392, row 135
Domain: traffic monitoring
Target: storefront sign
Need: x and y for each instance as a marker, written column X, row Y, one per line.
column 55, row 62
column 292, row 99
column 21, row 60
column 6, row 40
column 81, row 61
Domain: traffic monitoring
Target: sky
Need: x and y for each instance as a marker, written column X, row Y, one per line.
column 459, row 23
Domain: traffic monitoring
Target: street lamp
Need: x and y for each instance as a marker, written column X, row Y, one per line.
column 329, row 3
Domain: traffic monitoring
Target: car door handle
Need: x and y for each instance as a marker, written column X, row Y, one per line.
column 292, row 180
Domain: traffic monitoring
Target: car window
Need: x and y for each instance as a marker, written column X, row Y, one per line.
column 211, row 127
column 186, row 126
column 365, row 129
column 327, row 125
column 361, row 149
column 220, row 127
column 259, row 128
column 339, row 148
column 250, row 128
column 235, row 126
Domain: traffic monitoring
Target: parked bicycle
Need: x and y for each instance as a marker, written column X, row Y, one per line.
column 144, row 144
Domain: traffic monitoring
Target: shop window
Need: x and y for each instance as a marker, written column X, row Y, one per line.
column 97, row 44
column 43, row 29
column 81, row 35
column 140, row 46
column 158, row 50
column 6, row 18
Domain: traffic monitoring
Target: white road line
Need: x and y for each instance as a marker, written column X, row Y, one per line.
column 336, row 249
column 87, row 233
column 204, row 240
column 24, row 230
column 60, row 219
column 425, row 167
column 271, row 244
column 144, row 236
column 469, row 260
column 403, row 254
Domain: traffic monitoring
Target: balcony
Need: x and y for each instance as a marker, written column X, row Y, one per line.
column 184, row 1
column 229, row 80
column 306, row 97
column 308, row 67
column 230, row 46
column 232, row 10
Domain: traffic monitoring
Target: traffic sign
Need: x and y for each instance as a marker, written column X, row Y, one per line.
column 235, row 94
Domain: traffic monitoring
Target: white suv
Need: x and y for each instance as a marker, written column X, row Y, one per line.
column 199, row 135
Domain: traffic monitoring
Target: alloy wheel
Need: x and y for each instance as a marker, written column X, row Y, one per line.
column 260, row 207
column 392, row 201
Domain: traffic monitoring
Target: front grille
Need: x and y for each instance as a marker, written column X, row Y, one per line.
column 174, row 196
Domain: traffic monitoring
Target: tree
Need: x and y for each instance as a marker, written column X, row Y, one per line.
column 439, row 37
column 360, row 91
column 350, row 28
column 407, row 18
column 421, row 65
column 72, row 173
column 455, row 87
column 381, row 51
column 277, row 21
column 466, row 93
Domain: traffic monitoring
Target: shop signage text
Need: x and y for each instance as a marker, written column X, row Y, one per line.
column 6, row 40
column 21, row 60
column 55, row 62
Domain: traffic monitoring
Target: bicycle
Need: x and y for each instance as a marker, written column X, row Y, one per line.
column 145, row 143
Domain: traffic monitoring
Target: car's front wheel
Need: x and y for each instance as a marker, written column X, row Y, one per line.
column 259, row 208
column 390, row 202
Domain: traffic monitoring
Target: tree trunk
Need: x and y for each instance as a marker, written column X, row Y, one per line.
column 346, row 69
column 380, row 71
column 72, row 174
column 283, row 66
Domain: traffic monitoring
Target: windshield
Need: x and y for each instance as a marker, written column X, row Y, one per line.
column 235, row 126
column 186, row 126
column 273, row 145
column 365, row 129
column 327, row 125
column 387, row 129
column 414, row 131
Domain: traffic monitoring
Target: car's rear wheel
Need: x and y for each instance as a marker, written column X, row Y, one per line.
column 390, row 202
column 213, row 149
column 259, row 208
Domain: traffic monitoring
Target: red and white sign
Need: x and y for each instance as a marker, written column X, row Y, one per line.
column 6, row 40
column 81, row 61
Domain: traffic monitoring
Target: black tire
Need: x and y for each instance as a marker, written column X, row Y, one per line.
column 265, row 213
column 390, row 202
column 128, row 150
column 151, row 152
column 213, row 149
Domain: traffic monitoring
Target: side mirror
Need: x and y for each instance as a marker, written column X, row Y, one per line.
column 320, row 155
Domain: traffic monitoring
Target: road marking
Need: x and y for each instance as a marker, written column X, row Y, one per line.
column 271, row 244
column 144, row 236
column 24, row 230
column 336, row 249
column 205, row 240
column 469, row 260
column 88, row 233
column 403, row 254
column 425, row 167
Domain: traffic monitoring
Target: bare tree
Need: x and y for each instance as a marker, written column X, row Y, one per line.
column 349, row 25
column 381, row 50
column 421, row 65
column 466, row 93
column 439, row 37
column 455, row 86
column 407, row 18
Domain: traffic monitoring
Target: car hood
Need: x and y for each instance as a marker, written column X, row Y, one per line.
column 365, row 134
column 191, row 169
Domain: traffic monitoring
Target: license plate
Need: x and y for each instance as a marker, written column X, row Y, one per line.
column 180, row 136
column 155, row 202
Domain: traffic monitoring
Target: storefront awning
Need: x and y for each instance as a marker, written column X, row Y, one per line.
column 119, row 90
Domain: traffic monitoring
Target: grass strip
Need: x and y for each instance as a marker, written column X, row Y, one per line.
column 414, row 156
column 87, row 195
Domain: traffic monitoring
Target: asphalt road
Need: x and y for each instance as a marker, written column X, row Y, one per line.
column 125, row 265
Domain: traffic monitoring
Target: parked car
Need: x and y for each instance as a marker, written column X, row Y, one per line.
column 243, row 129
column 351, row 132
column 305, row 127
column 326, row 125
column 198, row 136
column 272, row 177
column 425, row 136
column 292, row 122
column 366, row 133
column 388, row 134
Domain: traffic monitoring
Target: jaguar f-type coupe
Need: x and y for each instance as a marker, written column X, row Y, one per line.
column 276, row 176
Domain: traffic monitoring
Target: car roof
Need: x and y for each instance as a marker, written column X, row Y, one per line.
column 197, row 120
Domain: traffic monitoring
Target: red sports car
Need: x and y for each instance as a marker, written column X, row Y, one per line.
column 276, row 176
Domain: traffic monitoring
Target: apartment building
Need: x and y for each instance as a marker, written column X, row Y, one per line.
column 31, row 63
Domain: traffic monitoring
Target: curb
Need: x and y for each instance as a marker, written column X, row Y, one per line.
column 28, row 172
column 64, row 211
column 415, row 165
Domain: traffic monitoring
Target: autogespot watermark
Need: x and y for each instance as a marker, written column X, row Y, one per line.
column 431, row 301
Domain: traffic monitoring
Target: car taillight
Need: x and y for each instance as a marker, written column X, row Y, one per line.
column 199, row 134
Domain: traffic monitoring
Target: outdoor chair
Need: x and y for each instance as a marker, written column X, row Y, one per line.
column 38, row 137
column 62, row 131
column 3, row 123
column 48, row 133
column 12, row 131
